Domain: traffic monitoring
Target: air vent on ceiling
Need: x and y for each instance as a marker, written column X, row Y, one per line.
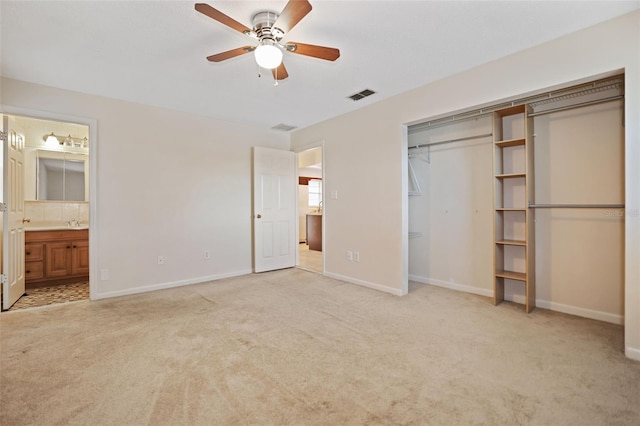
column 283, row 127
column 361, row 95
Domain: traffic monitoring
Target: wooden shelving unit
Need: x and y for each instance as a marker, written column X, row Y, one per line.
column 514, row 247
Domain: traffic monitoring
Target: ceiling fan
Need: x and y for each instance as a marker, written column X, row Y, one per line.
column 269, row 28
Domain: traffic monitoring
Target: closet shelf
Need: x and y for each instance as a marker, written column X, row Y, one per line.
column 512, row 275
column 511, row 175
column 512, row 242
column 513, row 153
column 511, row 142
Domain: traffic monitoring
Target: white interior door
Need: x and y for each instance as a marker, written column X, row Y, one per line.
column 274, row 209
column 13, row 227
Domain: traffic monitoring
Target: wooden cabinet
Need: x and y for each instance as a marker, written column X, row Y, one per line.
column 34, row 261
column 314, row 232
column 514, row 251
column 56, row 257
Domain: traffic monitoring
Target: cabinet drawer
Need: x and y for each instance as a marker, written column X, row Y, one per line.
column 33, row 252
column 34, row 270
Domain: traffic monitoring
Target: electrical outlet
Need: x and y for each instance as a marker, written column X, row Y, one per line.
column 356, row 256
column 104, row 274
column 349, row 255
column 206, row 255
column 160, row 260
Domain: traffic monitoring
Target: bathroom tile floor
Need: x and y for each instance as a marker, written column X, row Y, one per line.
column 50, row 295
column 310, row 260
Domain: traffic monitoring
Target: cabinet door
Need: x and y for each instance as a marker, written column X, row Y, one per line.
column 58, row 260
column 80, row 258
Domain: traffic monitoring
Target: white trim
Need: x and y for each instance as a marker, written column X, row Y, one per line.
column 93, row 178
column 172, row 284
column 452, row 286
column 581, row 312
column 404, row 185
column 632, row 353
column 374, row 286
column 544, row 304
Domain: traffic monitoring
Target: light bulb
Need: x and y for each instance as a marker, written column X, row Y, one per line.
column 51, row 139
column 268, row 56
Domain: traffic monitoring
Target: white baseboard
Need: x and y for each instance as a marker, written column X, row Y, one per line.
column 632, row 353
column 161, row 286
column 574, row 310
column 394, row 291
column 452, row 286
column 545, row 304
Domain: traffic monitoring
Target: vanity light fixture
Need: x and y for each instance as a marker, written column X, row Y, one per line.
column 51, row 139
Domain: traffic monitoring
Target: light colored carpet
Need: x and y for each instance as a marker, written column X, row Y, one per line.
column 294, row 347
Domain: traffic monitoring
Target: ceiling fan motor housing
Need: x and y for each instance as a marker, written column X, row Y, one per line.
column 263, row 26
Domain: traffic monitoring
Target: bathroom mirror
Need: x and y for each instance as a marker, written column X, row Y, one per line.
column 61, row 176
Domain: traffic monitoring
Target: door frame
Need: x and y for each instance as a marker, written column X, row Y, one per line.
column 93, row 178
column 298, row 150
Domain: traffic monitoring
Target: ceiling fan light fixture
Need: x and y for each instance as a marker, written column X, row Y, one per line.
column 268, row 55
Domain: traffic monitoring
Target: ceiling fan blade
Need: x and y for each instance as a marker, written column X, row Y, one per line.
column 321, row 52
column 292, row 13
column 215, row 14
column 219, row 57
column 280, row 73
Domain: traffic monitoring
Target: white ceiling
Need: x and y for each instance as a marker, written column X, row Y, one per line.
column 153, row 52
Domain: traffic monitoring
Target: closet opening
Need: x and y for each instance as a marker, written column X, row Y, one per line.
column 525, row 192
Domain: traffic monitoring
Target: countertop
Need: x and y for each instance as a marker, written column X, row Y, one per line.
column 56, row 228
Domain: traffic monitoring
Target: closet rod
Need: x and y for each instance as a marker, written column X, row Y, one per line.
column 452, row 140
column 582, row 104
column 576, row 206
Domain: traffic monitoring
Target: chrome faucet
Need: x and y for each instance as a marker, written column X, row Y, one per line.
column 320, row 207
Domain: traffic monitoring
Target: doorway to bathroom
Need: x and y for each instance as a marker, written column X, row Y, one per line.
column 48, row 251
column 310, row 210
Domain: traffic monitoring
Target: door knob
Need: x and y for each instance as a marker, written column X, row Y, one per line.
column 258, row 216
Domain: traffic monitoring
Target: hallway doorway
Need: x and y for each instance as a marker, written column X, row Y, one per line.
column 310, row 210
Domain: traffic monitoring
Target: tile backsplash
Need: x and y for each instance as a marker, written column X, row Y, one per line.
column 55, row 213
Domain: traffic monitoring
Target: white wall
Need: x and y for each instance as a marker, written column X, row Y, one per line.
column 371, row 210
column 168, row 183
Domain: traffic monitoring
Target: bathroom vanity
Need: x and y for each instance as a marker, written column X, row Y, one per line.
column 56, row 256
column 314, row 231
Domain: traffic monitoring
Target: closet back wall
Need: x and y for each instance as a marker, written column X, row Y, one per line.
column 454, row 211
column 579, row 158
